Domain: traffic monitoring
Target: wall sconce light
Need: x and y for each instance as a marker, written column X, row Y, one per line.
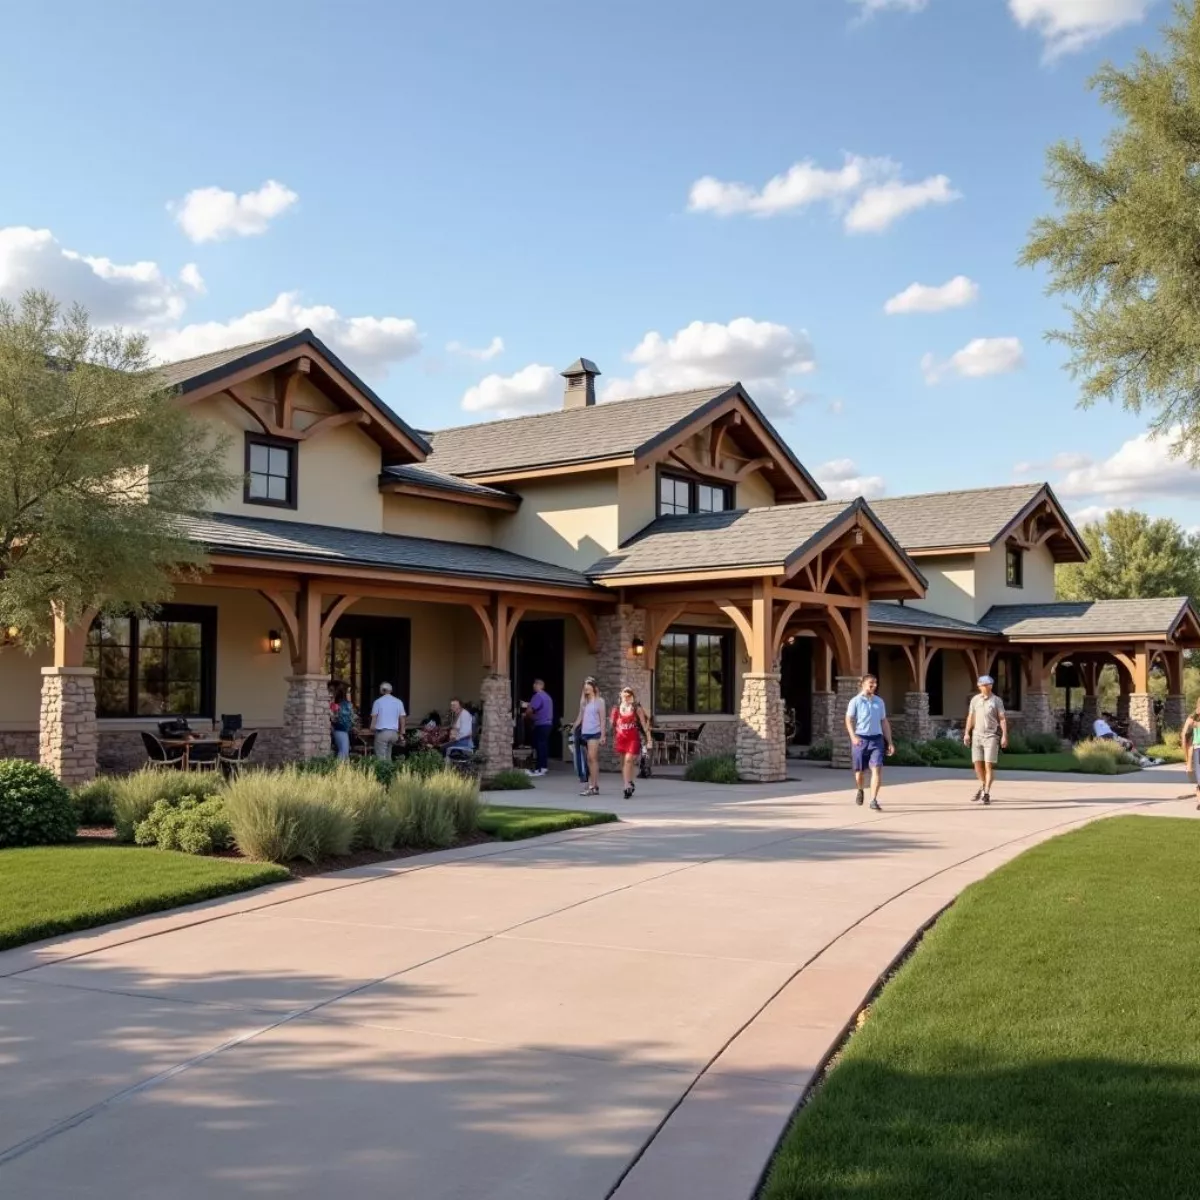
column 275, row 641
column 639, row 647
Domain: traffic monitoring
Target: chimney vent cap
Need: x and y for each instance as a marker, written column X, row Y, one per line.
column 581, row 366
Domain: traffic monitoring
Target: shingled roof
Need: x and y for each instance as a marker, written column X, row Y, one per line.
column 748, row 538
column 260, row 537
column 905, row 616
column 425, row 476
column 590, row 433
column 950, row 520
column 1089, row 618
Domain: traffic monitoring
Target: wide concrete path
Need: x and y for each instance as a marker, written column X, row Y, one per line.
column 628, row 1011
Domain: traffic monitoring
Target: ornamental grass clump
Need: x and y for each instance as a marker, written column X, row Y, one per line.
column 427, row 821
column 1099, row 756
column 460, row 794
column 284, row 815
column 375, row 816
column 712, row 768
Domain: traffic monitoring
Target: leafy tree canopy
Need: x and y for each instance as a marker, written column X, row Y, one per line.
column 95, row 459
column 1133, row 556
column 1126, row 242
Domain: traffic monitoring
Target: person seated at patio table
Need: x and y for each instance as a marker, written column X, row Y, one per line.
column 462, row 727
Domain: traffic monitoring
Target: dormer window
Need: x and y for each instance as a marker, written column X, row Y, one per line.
column 679, row 495
column 270, row 471
column 1014, row 567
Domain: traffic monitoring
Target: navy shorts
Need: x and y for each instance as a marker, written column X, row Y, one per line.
column 869, row 751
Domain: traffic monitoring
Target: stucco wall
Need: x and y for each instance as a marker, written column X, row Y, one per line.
column 755, row 491
column 951, row 586
column 571, row 520
column 337, row 472
column 638, row 500
column 990, row 579
column 446, row 520
column 21, row 687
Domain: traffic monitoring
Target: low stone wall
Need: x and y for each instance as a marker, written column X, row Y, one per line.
column 19, row 744
column 122, row 751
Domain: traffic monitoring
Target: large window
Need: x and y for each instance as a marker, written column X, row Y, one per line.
column 1008, row 680
column 155, row 666
column 270, row 471
column 1014, row 567
column 678, row 494
column 692, row 673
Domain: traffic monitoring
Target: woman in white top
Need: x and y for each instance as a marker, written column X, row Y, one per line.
column 589, row 737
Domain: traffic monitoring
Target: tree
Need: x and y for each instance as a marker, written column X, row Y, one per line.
column 1127, row 241
column 1133, row 557
column 96, row 459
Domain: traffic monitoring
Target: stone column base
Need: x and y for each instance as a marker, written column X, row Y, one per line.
column 1143, row 730
column 1123, row 708
column 761, row 753
column 917, row 725
column 617, row 667
column 848, row 686
column 68, row 736
column 1036, row 716
column 496, row 736
column 306, row 717
column 1174, row 713
column 823, row 723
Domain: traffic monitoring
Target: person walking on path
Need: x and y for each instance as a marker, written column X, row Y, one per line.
column 629, row 721
column 1189, row 739
column 870, row 735
column 589, row 737
column 389, row 721
column 541, row 710
column 987, row 734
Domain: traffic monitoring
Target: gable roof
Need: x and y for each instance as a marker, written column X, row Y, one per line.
column 260, row 537
column 941, row 522
column 596, row 433
column 1091, row 618
column 421, row 477
column 754, row 540
column 205, row 372
column 896, row 616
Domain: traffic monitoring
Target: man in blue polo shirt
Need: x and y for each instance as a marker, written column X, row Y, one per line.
column 870, row 733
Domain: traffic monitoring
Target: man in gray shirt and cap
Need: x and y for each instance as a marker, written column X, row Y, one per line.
column 986, row 734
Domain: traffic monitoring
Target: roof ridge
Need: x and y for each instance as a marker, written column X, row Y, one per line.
column 1003, row 487
column 256, row 344
column 553, row 412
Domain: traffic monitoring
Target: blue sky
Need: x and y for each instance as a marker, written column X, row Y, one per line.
column 449, row 175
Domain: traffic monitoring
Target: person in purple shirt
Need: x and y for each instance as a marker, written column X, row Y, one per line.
column 541, row 712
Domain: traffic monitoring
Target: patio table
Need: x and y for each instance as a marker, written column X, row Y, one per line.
column 188, row 742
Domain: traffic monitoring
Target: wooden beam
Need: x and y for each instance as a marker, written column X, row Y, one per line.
column 762, row 635
column 587, row 623
column 244, row 402
column 755, row 464
column 743, row 623
column 781, row 623
column 330, row 619
column 709, row 575
column 820, row 599
column 330, row 421
column 70, row 641
column 310, row 661
column 489, row 631
column 287, row 379
column 285, row 610
column 600, row 464
column 717, row 433
column 658, row 621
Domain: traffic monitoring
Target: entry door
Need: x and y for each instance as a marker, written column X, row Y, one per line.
column 538, row 652
column 367, row 651
column 796, row 684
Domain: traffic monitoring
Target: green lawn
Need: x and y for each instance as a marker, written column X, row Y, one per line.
column 1062, row 761
column 510, row 823
column 48, row 890
column 1041, row 1043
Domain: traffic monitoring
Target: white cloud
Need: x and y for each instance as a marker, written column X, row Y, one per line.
column 762, row 355
column 1066, row 461
column 211, row 214
column 1089, row 515
column 369, row 344
column 1142, row 468
column 841, row 480
column 190, row 277
column 534, row 388
column 925, row 298
column 137, row 294
column 870, row 7
column 878, row 207
column 978, row 358
column 493, row 349
column 1070, row 25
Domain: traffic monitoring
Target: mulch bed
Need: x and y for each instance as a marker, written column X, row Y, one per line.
column 303, row 870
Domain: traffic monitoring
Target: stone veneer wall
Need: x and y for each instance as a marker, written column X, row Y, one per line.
column 761, row 749
column 496, row 734
column 306, row 716
column 618, row 667
column 1174, row 712
column 67, row 740
column 824, row 720
column 122, row 751
column 19, row 744
column 848, row 686
column 1142, row 725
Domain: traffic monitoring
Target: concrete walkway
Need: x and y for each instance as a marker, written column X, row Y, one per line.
column 627, row 1011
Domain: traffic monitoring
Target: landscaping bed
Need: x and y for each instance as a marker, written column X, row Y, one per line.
column 1040, row 1042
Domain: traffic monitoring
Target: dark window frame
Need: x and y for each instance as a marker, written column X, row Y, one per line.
column 691, row 632
column 1014, row 567
column 694, row 483
column 274, row 443
column 205, row 616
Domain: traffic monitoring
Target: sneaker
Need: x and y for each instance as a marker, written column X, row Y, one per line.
column 540, row 771
column 628, row 792
column 978, row 796
column 987, row 799
column 632, row 787
column 858, row 796
column 876, row 806
column 531, row 774
column 587, row 791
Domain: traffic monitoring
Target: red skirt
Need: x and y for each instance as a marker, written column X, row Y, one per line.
column 627, row 742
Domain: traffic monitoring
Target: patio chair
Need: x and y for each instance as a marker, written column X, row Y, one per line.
column 204, row 757
column 231, row 762
column 691, row 741
column 231, row 725
column 159, row 756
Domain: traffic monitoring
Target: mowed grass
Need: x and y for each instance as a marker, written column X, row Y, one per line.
column 48, row 890
column 1041, row 1043
column 1063, row 761
column 510, row 823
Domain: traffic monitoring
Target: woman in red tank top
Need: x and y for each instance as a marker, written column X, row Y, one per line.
column 628, row 722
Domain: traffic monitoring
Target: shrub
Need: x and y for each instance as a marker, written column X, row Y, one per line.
column 1018, row 743
column 426, row 819
column 820, row 752
column 382, row 769
column 284, row 815
column 712, row 768
column 1096, row 756
column 35, row 809
column 939, row 750
column 135, row 795
column 1171, row 739
column 94, row 801
column 1041, row 743
column 423, row 764
column 908, row 754
column 511, row 780
column 460, row 794
column 190, row 824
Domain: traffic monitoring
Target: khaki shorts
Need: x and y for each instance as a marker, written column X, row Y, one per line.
column 986, row 749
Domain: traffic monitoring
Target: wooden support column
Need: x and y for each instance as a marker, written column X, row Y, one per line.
column 858, row 642
column 306, row 710
column 761, row 631
column 761, row 752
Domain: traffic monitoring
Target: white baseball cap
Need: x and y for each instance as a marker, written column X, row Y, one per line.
column 986, row 679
